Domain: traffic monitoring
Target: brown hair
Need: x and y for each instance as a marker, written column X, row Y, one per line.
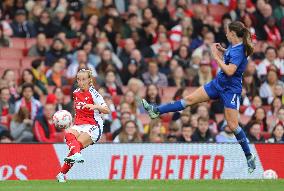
column 123, row 137
column 22, row 114
column 242, row 32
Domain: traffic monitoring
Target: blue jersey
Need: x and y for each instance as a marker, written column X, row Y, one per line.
column 234, row 55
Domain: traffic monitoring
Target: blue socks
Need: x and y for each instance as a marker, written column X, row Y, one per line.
column 172, row 107
column 242, row 139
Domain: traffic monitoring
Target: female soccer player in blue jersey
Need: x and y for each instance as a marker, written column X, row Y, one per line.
column 227, row 86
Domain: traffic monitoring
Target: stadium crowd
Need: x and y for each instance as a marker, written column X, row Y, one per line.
column 159, row 50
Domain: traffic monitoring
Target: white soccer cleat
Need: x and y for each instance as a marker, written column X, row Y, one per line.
column 61, row 177
column 76, row 158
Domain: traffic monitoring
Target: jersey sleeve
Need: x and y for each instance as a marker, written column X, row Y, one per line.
column 98, row 98
column 236, row 56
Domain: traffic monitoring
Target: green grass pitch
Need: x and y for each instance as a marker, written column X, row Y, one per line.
column 137, row 185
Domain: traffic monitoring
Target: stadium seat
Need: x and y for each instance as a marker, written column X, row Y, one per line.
column 18, row 43
column 10, row 63
column 11, row 53
column 67, row 90
column 30, row 42
column 217, row 11
column 26, row 62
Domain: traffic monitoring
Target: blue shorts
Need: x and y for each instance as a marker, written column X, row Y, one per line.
column 230, row 100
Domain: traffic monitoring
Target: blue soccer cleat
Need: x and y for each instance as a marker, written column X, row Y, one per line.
column 76, row 158
column 251, row 163
column 152, row 110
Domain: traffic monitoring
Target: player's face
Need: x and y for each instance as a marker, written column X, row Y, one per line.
column 83, row 80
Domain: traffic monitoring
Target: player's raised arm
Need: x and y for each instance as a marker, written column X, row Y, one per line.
column 229, row 69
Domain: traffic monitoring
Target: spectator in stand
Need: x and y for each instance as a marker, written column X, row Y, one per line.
column 87, row 46
column 154, row 132
column 61, row 103
column 9, row 76
column 177, row 78
column 240, row 11
column 161, row 12
column 153, row 76
column 263, row 11
column 202, row 133
column 70, row 26
column 204, row 74
column 110, row 84
column 277, row 135
column 57, row 77
column 226, row 136
column 152, row 94
column 81, row 62
column 21, row 126
column 44, row 129
column 129, row 97
column 132, row 71
column 135, row 86
column 273, row 35
column 279, row 92
column 279, row 118
column 125, row 54
column 254, row 133
column 7, row 108
column 91, row 8
column 22, row 28
column 46, row 26
column 4, row 40
column 208, row 40
column 67, row 44
column 40, row 48
column 186, row 133
column 256, row 103
column 128, row 134
column 275, row 106
column 28, row 101
column 56, row 51
column 28, row 77
column 38, row 69
column 183, row 56
column 6, row 28
column 259, row 117
column 266, row 90
column 250, row 89
column 270, row 60
column 132, row 25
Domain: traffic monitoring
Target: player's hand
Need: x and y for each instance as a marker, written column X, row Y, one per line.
column 89, row 106
column 220, row 47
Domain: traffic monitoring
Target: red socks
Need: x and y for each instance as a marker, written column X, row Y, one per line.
column 66, row 166
column 74, row 145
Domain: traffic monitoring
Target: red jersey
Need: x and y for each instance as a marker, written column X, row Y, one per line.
column 87, row 116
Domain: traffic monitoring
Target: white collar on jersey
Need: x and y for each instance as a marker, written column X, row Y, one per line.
column 237, row 44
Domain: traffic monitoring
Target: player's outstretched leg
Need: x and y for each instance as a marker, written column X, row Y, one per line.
column 75, row 148
column 231, row 116
column 197, row 96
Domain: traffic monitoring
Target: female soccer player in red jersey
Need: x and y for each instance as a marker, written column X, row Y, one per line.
column 89, row 105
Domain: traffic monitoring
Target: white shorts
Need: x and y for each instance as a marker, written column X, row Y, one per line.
column 95, row 131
